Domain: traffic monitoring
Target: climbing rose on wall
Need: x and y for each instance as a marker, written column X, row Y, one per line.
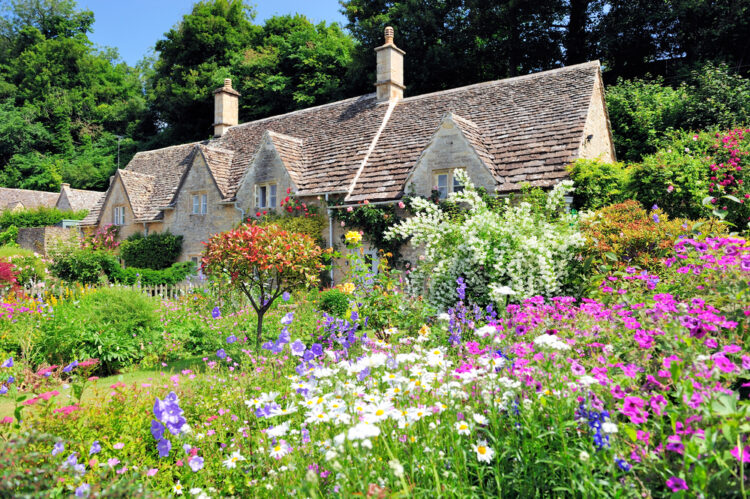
column 263, row 262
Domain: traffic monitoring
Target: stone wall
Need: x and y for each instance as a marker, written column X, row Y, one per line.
column 118, row 197
column 42, row 239
column 196, row 228
column 596, row 142
column 447, row 150
column 267, row 167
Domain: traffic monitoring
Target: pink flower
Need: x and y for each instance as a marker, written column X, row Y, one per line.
column 633, row 408
column 152, row 472
column 745, row 457
column 118, row 445
column 724, row 364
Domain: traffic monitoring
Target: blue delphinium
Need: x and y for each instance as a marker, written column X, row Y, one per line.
column 594, row 420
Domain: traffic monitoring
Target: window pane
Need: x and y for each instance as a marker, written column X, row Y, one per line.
column 272, row 200
column 457, row 186
column 195, row 204
column 204, row 203
column 442, row 185
column 263, row 198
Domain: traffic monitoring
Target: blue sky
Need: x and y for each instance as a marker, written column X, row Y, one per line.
column 134, row 26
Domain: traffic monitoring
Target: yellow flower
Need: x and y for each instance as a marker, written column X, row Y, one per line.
column 348, row 288
column 353, row 237
column 424, row 331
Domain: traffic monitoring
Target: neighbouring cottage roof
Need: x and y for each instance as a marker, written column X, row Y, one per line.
column 525, row 129
column 79, row 199
column 24, row 198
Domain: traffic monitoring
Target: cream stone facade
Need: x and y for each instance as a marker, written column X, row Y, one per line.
column 194, row 225
column 375, row 148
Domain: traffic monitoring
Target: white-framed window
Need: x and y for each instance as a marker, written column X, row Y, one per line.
column 446, row 182
column 265, row 195
column 118, row 215
column 200, row 204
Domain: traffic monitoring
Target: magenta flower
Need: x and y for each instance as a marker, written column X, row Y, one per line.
column 745, row 456
column 676, row 484
column 633, row 408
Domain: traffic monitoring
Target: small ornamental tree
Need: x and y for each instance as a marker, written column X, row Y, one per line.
column 263, row 262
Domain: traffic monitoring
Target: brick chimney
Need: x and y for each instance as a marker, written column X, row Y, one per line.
column 390, row 72
column 226, row 107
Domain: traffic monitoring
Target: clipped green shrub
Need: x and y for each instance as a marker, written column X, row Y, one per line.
column 334, row 302
column 82, row 265
column 148, row 277
column 155, row 251
column 29, row 267
column 9, row 236
column 38, row 217
column 118, row 326
column 598, row 184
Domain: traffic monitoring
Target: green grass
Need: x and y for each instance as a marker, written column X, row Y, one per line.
column 100, row 385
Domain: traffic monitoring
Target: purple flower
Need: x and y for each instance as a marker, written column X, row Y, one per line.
column 286, row 296
column 95, row 448
column 298, row 348
column 216, row 313
column 676, row 484
column 317, row 349
column 284, row 336
column 164, row 446
column 157, row 430
column 231, row 339
column 220, row 353
column 71, row 461
column 70, row 366
column 196, row 463
column 3, row 390
column 308, row 356
column 83, row 490
column 11, row 379
column 58, row 448
column 288, row 318
column 654, row 207
column 8, row 362
column 655, row 217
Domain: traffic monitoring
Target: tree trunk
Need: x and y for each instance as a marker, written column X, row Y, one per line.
column 259, row 329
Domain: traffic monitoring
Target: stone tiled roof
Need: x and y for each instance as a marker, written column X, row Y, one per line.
column 531, row 125
column 291, row 152
column 219, row 162
column 11, row 198
column 525, row 129
column 335, row 139
column 80, row 199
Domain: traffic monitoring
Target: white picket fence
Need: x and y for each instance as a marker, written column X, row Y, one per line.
column 163, row 291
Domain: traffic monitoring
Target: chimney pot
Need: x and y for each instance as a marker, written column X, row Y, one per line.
column 388, row 35
column 227, row 83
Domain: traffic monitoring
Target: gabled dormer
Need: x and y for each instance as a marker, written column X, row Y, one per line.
column 277, row 168
column 457, row 143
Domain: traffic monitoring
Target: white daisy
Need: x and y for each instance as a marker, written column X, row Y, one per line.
column 231, row 461
column 484, row 452
column 177, row 489
column 463, row 428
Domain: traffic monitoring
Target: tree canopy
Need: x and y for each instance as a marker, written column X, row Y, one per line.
column 68, row 107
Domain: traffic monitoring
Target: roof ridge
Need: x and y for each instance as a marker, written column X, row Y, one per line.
column 458, row 117
column 504, row 80
column 214, row 148
column 148, row 151
column 301, row 111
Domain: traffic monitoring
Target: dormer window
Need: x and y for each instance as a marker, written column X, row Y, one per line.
column 118, row 215
column 446, row 182
column 265, row 195
column 200, row 204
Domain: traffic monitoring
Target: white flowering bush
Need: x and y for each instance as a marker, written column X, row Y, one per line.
column 520, row 250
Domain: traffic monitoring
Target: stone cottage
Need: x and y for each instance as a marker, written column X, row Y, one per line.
column 373, row 148
column 66, row 200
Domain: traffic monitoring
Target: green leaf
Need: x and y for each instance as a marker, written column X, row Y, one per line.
column 611, row 256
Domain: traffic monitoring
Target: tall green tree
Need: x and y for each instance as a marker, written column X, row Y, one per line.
column 64, row 101
column 193, row 59
column 293, row 64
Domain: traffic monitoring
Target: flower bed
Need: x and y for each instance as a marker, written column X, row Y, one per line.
column 633, row 394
